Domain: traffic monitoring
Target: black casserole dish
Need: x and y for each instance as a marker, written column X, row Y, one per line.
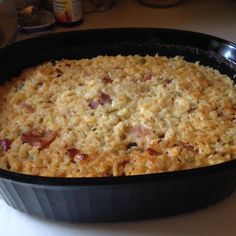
column 118, row 198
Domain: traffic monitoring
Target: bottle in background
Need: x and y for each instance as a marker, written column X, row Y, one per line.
column 68, row 12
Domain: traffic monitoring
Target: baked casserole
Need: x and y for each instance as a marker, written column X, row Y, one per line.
column 115, row 116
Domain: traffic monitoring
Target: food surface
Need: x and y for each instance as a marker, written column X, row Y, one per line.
column 115, row 116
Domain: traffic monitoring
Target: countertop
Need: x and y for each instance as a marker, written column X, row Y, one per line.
column 216, row 17
column 211, row 17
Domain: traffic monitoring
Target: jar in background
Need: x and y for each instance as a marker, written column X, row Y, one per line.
column 68, row 12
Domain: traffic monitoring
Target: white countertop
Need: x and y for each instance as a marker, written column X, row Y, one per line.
column 216, row 17
column 212, row 17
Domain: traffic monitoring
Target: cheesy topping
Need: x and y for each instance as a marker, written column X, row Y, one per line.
column 116, row 115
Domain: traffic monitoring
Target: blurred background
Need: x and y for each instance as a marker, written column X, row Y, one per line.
column 216, row 17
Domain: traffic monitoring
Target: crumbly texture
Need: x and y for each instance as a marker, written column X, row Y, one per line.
column 114, row 116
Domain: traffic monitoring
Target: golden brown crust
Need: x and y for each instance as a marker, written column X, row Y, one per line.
column 113, row 116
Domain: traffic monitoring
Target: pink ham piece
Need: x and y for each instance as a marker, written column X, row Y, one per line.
column 5, row 144
column 138, row 131
column 187, row 146
column 107, row 79
column 28, row 107
column 147, row 76
column 94, row 104
column 104, row 98
column 40, row 139
column 75, row 154
column 72, row 152
column 82, row 156
column 152, row 152
column 138, row 134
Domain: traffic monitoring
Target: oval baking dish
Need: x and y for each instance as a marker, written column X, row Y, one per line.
column 106, row 199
